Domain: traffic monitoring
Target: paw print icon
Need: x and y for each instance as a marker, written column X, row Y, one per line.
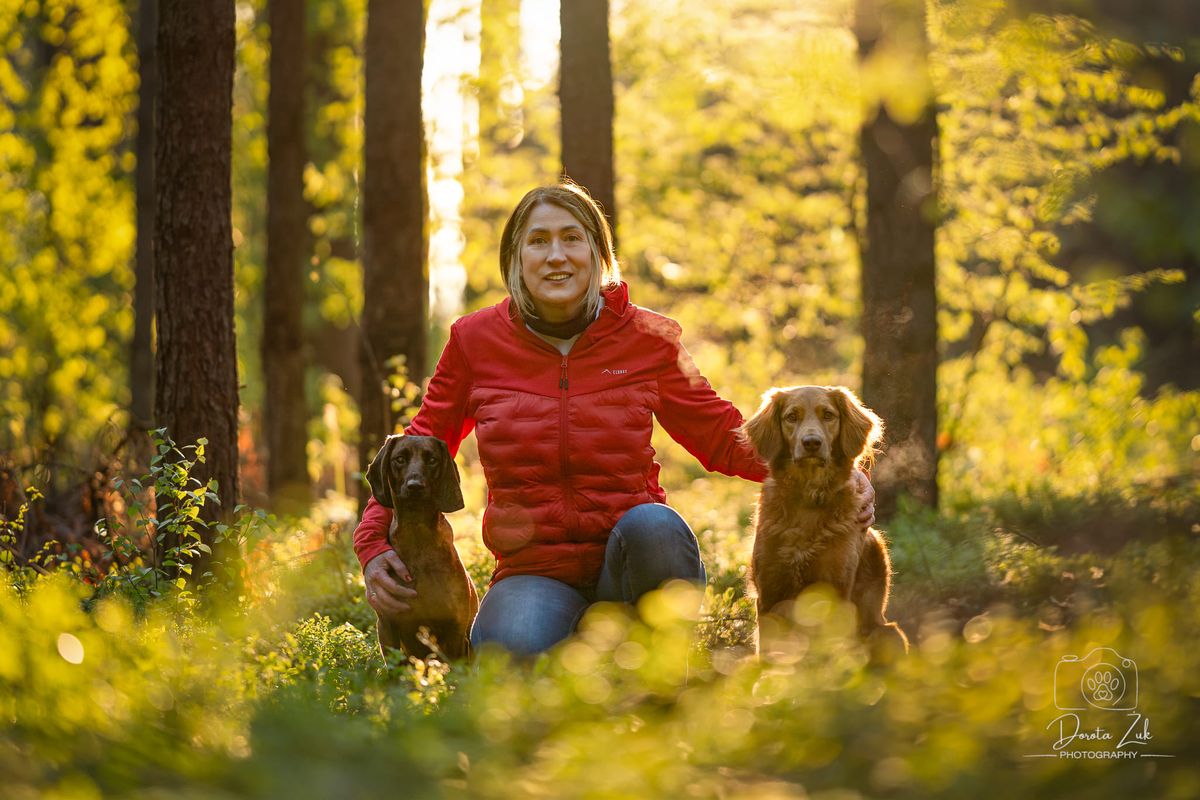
column 1103, row 679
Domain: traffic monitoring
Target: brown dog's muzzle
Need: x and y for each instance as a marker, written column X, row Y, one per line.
column 413, row 489
column 809, row 446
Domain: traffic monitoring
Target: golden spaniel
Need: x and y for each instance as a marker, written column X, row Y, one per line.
column 813, row 438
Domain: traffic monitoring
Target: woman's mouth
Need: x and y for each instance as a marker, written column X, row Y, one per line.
column 558, row 277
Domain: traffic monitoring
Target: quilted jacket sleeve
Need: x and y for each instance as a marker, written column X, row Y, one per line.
column 443, row 414
column 706, row 425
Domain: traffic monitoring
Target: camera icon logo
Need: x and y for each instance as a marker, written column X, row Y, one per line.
column 1102, row 679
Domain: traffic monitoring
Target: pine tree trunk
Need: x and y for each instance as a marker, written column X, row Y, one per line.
column 141, row 361
column 395, row 248
column 197, row 392
column 586, row 94
column 285, row 416
column 899, row 317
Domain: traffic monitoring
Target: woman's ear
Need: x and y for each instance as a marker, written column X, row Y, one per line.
column 762, row 430
column 378, row 474
column 861, row 429
column 447, row 494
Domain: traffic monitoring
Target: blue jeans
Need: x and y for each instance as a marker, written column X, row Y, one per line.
column 527, row 614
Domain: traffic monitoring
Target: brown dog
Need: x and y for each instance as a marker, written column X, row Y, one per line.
column 813, row 437
column 416, row 478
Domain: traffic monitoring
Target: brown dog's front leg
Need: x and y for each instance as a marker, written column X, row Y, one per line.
column 389, row 635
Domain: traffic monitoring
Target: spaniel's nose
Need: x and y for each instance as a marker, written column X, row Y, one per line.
column 811, row 443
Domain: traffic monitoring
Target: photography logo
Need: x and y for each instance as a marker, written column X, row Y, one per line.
column 1097, row 696
column 1104, row 680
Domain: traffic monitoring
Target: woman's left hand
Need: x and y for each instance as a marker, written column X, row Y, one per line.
column 866, row 497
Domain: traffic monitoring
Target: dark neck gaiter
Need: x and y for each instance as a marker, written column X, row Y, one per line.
column 562, row 330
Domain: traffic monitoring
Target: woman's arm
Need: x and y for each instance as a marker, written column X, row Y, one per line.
column 443, row 414
column 707, row 427
column 705, row 424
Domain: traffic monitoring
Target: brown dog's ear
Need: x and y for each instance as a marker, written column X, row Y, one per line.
column 447, row 494
column 379, row 476
column 861, row 429
column 763, row 431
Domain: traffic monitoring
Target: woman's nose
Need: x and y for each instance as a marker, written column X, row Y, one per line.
column 556, row 252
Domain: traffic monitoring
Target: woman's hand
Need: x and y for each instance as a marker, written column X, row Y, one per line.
column 866, row 498
column 382, row 577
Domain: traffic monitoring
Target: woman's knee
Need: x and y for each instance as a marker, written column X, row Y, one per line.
column 650, row 545
column 527, row 614
column 655, row 526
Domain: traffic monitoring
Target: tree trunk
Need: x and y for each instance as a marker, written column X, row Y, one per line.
column 586, row 94
column 197, row 392
column 285, row 414
column 899, row 317
column 141, row 361
column 395, row 248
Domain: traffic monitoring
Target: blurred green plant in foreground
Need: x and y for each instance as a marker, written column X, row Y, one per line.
column 284, row 694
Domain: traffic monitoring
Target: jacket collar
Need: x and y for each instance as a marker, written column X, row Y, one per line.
column 616, row 312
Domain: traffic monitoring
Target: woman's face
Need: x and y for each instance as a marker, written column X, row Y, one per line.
column 556, row 262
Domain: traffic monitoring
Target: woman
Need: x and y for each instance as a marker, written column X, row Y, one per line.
column 561, row 382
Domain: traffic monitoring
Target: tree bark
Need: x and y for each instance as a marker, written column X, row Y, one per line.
column 395, row 247
column 197, row 392
column 586, row 95
column 899, row 319
column 141, row 361
column 285, row 414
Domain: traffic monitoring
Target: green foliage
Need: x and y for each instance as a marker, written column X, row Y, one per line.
column 517, row 148
column 336, row 660
column 736, row 137
column 1066, row 437
column 68, row 87
column 111, row 702
column 158, row 547
column 155, row 552
column 21, row 575
column 746, row 199
column 249, row 174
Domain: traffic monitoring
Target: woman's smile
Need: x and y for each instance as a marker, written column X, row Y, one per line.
column 556, row 263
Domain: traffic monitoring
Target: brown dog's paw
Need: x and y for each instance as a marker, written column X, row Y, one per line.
column 887, row 644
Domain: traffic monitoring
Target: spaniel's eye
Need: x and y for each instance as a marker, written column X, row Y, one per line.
column 791, row 416
column 829, row 415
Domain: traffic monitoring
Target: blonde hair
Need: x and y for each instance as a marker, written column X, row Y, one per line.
column 574, row 199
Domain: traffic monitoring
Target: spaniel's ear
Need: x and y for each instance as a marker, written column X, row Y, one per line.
column 861, row 429
column 447, row 494
column 762, row 430
column 379, row 475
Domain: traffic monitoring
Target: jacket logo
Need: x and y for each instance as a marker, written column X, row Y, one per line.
column 614, row 372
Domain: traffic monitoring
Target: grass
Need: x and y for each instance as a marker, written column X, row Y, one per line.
column 286, row 694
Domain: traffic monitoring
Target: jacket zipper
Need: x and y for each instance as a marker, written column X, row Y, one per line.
column 562, row 422
column 564, row 464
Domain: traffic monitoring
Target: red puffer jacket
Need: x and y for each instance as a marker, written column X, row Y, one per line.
column 565, row 440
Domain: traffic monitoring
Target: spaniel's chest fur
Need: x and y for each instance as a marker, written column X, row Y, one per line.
column 799, row 543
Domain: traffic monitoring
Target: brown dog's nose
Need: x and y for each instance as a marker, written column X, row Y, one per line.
column 414, row 486
column 811, row 443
